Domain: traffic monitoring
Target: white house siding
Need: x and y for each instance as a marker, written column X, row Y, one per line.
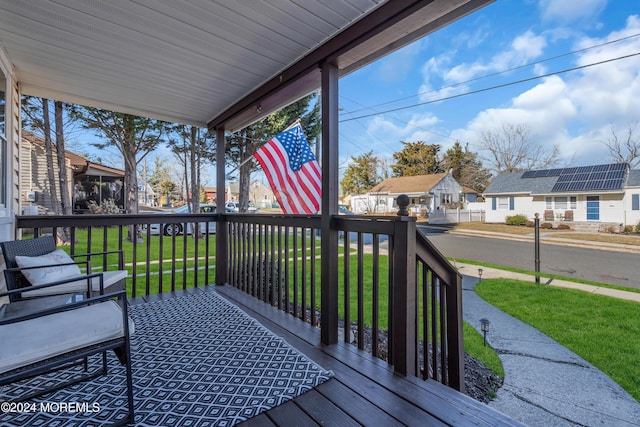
column 447, row 185
column 613, row 207
column 516, row 205
column 632, row 216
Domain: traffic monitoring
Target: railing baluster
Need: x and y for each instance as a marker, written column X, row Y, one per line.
column 314, row 317
column 295, row 272
column 360, row 291
column 287, row 307
column 347, row 290
column 303, row 281
column 148, row 256
column 160, row 259
column 375, row 295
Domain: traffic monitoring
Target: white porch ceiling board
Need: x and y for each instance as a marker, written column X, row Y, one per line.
column 183, row 61
column 177, row 60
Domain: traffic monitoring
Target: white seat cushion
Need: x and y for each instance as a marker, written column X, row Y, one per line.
column 37, row 339
column 80, row 285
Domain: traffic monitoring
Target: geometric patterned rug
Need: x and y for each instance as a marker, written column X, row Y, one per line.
column 198, row 360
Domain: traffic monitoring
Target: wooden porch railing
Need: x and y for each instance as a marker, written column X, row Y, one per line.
column 399, row 298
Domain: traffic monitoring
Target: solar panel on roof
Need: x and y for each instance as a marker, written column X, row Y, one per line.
column 590, row 178
column 529, row 174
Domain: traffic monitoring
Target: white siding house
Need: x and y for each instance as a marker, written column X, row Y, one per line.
column 426, row 193
column 599, row 193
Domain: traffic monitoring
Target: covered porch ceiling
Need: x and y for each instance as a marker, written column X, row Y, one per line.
column 216, row 63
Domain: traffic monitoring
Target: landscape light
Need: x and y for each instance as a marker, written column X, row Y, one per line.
column 480, row 274
column 484, row 326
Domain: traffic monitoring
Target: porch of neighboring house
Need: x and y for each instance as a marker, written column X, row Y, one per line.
column 413, row 307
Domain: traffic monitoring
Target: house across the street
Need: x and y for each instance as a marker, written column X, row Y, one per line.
column 600, row 193
column 426, row 193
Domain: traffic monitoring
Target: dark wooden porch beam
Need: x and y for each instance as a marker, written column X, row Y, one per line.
column 329, row 240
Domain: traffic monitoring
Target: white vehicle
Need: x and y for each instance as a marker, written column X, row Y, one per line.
column 235, row 207
column 175, row 229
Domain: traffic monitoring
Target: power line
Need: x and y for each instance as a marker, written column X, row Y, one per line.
column 553, row 58
column 473, row 92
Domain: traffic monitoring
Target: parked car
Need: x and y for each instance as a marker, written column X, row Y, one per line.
column 175, row 229
column 235, row 207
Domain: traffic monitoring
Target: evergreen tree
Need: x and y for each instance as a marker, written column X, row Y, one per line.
column 416, row 158
column 466, row 168
column 361, row 174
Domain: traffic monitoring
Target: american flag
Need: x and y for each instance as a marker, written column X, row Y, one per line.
column 293, row 171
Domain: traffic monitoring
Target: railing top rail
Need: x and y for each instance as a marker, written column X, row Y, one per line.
column 87, row 220
column 437, row 262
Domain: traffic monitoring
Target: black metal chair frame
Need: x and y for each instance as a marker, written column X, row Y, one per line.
column 62, row 361
column 42, row 246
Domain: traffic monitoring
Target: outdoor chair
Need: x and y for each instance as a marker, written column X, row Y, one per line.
column 548, row 215
column 61, row 336
column 37, row 261
column 568, row 215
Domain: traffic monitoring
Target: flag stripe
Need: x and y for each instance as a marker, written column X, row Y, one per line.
column 292, row 171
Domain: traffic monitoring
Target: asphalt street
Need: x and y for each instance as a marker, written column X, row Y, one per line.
column 596, row 264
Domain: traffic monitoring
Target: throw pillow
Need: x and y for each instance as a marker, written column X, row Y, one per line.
column 52, row 272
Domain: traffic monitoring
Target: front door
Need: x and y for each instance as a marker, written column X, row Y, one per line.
column 593, row 208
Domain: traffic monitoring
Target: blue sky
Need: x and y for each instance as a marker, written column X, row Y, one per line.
column 574, row 110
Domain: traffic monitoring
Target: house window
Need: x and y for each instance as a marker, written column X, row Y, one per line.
column 549, row 202
column 503, row 203
column 445, row 198
column 635, row 202
column 561, row 202
column 573, row 202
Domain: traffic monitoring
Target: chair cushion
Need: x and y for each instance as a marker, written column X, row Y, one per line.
column 79, row 286
column 37, row 339
column 52, row 273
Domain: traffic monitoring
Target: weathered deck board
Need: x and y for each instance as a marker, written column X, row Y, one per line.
column 364, row 390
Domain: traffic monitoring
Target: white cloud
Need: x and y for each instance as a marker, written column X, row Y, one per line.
column 576, row 110
column 567, row 11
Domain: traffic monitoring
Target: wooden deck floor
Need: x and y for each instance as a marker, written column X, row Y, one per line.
column 363, row 391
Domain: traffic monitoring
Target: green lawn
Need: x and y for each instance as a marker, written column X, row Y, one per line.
column 600, row 329
column 183, row 276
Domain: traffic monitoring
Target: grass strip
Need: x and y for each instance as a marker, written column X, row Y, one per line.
column 600, row 329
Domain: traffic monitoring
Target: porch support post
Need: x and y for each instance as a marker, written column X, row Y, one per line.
column 455, row 337
column 329, row 239
column 404, row 292
column 221, row 226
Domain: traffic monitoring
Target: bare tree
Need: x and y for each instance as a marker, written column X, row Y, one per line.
column 626, row 147
column 510, row 149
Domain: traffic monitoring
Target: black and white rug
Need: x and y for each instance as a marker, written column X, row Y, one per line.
column 198, row 360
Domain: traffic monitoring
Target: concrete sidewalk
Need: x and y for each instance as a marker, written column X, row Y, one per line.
column 488, row 273
column 545, row 383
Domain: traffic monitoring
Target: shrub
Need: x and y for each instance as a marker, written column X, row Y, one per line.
column 564, row 227
column 546, row 225
column 638, row 227
column 517, row 220
column 531, row 224
column 628, row 229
